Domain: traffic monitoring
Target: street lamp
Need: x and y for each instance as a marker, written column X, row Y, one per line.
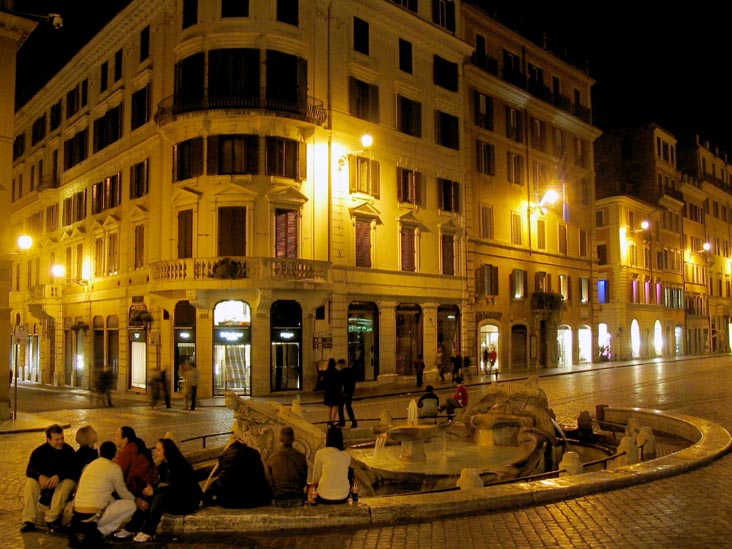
column 59, row 272
column 550, row 197
column 367, row 141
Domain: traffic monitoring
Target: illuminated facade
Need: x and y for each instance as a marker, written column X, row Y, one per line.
column 198, row 170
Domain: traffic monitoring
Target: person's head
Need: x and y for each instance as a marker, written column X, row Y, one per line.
column 342, row 363
column 419, row 356
column 108, row 450
column 124, row 436
column 167, row 450
column 334, row 438
column 287, row 436
column 331, row 364
column 55, row 436
column 458, row 380
column 86, row 436
column 429, row 389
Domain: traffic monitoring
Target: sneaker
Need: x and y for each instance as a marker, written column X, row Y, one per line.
column 27, row 527
column 354, row 425
column 122, row 534
column 142, row 537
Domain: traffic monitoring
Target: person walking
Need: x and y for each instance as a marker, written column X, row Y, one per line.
column 457, row 364
column 103, row 381
column 51, row 476
column 348, row 387
column 492, row 357
column 419, row 369
column 190, row 387
column 287, row 470
column 439, row 366
column 332, row 390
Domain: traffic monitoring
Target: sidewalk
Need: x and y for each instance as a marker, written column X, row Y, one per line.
column 30, row 422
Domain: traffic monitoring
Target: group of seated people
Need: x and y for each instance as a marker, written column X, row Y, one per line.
column 283, row 480
column 122, row 483
column 122, row 490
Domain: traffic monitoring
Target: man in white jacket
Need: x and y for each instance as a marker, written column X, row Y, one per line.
column 94, row 501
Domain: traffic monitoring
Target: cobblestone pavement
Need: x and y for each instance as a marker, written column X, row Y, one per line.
column 690, row 510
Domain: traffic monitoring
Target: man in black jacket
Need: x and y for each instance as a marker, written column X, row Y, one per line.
column 51, row 476
column 348, row 384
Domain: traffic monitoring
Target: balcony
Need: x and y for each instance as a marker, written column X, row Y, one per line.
column 257, row 269
column 307, row 109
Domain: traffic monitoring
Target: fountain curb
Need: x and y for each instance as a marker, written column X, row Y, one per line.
column 711, row 441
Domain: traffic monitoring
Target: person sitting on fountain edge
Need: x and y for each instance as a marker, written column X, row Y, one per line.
column 428, row 403
column 458, row 400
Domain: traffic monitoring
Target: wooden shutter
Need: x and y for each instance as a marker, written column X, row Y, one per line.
column 363, row 243
column 212, row 155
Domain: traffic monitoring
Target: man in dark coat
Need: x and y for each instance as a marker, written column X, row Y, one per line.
column 287, row 470
column 51, row 476
column 348, row 387
column 241, row 483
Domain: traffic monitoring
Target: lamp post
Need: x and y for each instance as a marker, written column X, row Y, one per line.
column 20, row 332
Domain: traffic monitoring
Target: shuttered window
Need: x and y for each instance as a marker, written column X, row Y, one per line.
column 286, row 233
column 408, row 248
column 232, row 231
column 363, row 243
column 185, row 234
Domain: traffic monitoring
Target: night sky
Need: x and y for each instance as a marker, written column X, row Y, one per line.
column 661, row 64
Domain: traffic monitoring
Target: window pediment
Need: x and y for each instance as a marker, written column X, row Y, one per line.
column 366, row 210
column 411, row 220
column 289, row 195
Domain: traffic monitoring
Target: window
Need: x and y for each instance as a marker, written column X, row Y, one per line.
column 139, row 259
column 409, row 187
column 113, row 254
column 287, row 12
column 99, row 257
column 448, row 254
column 51, row 218
column 234, row 8
column 140, row 106
column 486, row 280
column 411, row 5
column 18, row 146
column 518, row 284
column 449, row 193
column 188, row 159
column 443, row 14
column 541, row 175
column 515, row 167
column 486, row 157
column 409, row 116
column 517, row 228
column 584, row 288
column 580, row 152
column 559, row 142
column 104, row 77
column 602, row 254
column 144, row 43
column 139, row 179
column 445, row 73
column 600, row 218
column 55, row 118
column 538, row 134
column 483, row 110
column 363, row 242
column 232, row 154
column 486, row 221
column 408, row 248
column 117, row 65
column 563, row 239
column 603, row 291
column 514, row 124
column 283, row 158
column 405, row 56
column 232, row 231
column 76, row 149
column 72, row 102
column 540, row 234
column 635, row 290
column 364, row 100
column 185, row 234
column 286, row 235
column 542, row 282
column 583, row 243
column 38, row 130
column 108, row 128
column 446, row 130
column 565, row 287
column 360, row 36
column 74, row 208
column 107, row 194
column 233, row 76
column 190, row 13
column 364, row 176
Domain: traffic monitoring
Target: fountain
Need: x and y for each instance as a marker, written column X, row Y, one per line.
column 412, row 435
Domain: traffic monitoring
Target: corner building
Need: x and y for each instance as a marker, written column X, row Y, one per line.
column 199, row 170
